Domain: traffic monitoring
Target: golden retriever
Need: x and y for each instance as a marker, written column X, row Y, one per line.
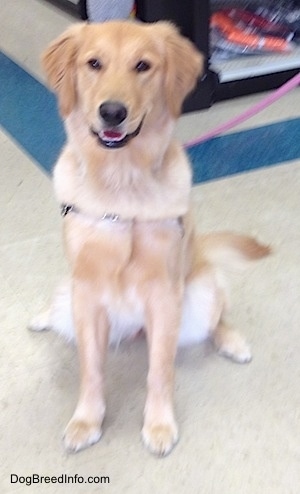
column 124, row 185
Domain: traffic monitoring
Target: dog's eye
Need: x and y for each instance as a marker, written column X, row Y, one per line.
column 142, row 66
column 95, row 64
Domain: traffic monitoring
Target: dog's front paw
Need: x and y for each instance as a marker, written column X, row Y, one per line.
column 160, row 438
column 80, row 434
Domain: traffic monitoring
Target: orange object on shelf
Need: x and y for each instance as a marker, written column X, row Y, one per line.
column 239, row 36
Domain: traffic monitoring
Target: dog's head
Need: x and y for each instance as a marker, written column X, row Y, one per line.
column 118, row 74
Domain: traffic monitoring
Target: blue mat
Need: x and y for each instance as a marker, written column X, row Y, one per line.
column 247, row 150
column 29, row 114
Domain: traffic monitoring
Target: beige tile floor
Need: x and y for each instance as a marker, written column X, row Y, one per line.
column 240, row 426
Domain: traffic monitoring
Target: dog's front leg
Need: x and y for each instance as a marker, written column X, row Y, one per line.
column 160, row 432
column 84, row 428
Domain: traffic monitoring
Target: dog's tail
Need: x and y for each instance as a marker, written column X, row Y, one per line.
column 230, row 250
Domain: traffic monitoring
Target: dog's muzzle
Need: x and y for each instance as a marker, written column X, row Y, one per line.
column 114, row 139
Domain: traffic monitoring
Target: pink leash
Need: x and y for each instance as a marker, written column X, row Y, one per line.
column 285, row 88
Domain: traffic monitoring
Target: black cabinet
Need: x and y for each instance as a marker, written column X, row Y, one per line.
column 192, row 17
column 221, row 81
column 77, row 8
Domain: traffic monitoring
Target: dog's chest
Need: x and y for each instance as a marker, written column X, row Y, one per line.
column 119, row 262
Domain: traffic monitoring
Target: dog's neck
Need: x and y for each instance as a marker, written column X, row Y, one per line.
column 142, row 176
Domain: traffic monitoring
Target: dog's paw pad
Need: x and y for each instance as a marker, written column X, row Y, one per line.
column 160, row 439
column 80, row 434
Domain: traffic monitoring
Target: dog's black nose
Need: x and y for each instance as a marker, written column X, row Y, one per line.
column 113, row 112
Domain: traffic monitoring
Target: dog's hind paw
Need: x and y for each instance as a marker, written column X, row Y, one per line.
column 40, row 322
column 234, row 347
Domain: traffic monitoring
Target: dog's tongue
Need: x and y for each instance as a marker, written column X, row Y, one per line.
column 113, row 135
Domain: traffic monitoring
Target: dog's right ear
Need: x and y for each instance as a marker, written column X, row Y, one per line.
column 58, row 62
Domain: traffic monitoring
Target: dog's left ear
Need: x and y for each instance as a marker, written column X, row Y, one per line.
column 58, row 62
column 184, row 65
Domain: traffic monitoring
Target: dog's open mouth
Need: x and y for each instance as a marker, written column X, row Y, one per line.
column 113, row 138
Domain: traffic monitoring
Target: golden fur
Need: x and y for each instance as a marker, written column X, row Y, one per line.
column 148, row 269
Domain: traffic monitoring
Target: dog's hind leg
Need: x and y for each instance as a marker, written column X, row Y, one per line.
column 229, row 343
column 205, row 305
column 58, row 317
